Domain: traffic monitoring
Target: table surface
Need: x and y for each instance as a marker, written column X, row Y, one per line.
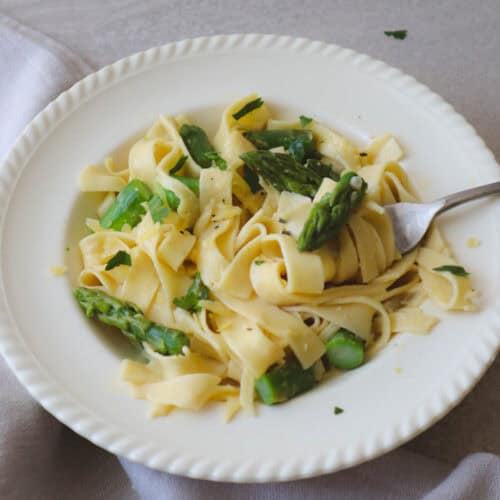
column 453, row 46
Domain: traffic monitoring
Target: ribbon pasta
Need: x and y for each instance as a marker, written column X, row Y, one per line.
column 266, row 297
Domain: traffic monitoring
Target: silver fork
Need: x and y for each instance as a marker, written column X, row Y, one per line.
column 412, row 220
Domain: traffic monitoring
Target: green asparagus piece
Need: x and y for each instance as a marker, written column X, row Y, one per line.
column 329, row 214
column 322, row 169
column 297, row 150
column 345, row 350
column 274, row 138
column 283, row 382
column 299, row 143
column 199, row 147
column 283, row 172
column 130, row 320
column 127, row 208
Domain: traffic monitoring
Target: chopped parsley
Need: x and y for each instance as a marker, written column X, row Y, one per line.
column 248, row 108
column 166, row 195
column 305, row 120
column 189, row 182
column 178, row 165
column 172, row 199
column 338, row 410
column 158, row 209
column 217, row 159
column 162, row 202
column 258, row 262
column 196, row 292
column 121, row 258
column 67, row 249
column 199, row 147
column 252, row 179
column 456, row 270
column 397, row 34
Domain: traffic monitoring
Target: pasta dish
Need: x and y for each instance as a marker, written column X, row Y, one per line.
column 247, row 266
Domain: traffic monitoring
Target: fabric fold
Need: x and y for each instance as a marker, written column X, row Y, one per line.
column 34, row 69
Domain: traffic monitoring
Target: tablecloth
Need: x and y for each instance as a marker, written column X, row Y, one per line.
column 40, row 458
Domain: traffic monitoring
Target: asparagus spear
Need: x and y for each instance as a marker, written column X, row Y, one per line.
column 322, row 169
column 281, row 383
column 298, row 143
column 130, row 320
column 283, row 172
column 329, row 214
column 199, row 147
column 127, row 208
column 268, row 139
column 345, row 350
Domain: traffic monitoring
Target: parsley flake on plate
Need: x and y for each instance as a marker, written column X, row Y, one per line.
column 456, row 270
column 397, row 34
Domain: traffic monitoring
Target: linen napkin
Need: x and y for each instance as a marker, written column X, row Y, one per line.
column 40, row 458
column 34, row 70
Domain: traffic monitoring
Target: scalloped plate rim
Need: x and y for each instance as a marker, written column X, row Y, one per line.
column 83, row 421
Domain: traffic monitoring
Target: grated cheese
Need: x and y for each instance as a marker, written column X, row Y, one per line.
column 473, row 242
column 58, row 270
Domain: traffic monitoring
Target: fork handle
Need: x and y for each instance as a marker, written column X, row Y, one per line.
column 468, row 195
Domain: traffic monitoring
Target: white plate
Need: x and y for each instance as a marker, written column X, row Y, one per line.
column 71, row 367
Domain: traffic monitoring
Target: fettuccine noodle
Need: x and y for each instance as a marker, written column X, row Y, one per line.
column 267, row 300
